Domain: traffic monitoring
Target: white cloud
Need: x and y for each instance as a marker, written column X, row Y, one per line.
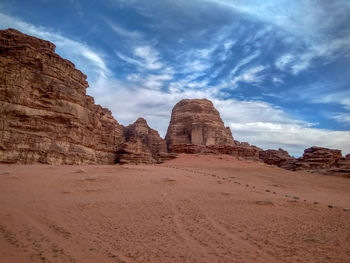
column 343, row 118
column 293, row 137
column 134, row 35
column 256, row 122
column 245, row 61
column 277, row 80
column 312, row 29
column 145, row 58
column 86, row 59
column 150, row 57
column 299, row 61
column 150, row 81
column 340, row 97
column 251, row 75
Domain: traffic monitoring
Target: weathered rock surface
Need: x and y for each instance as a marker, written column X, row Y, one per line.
column 275, row 157
column 197, row 122
column 321, row 160
column 342, row 166
column 46, row 117
column 45, row 114
column 143, row 145
column 246, row 151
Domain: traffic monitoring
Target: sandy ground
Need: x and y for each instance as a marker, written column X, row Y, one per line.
column 191, row 209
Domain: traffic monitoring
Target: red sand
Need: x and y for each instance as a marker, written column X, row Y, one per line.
column 190, row 209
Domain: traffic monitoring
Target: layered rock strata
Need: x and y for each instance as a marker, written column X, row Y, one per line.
column 45, row 114
column 275, row 157
column 197, row 122
column 143, row 145
column 321, row 160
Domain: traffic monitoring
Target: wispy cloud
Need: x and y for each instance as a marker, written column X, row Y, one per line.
column 257, row 122
column 252, row 75
column 145, row 58
column 293, row 137
column 245, row 61
column 342, row 118
column 311, row 29
column 131, row 34
column 85, row 58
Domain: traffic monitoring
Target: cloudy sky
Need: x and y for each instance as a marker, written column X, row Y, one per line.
column 277, row 70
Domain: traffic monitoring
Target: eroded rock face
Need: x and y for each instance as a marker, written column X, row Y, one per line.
column 197, row 122
column 246, row 151
column 143, row 145
column 321, row 160
column 342, row 166
column 316, row 158
column 45, row 114
column 275, row 157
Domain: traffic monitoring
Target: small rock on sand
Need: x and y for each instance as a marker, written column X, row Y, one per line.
column 264, row 202
column 80, row 170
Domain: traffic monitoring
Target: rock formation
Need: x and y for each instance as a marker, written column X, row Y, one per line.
column 46, row 117
column 197, row 122
column 143, row 145
column 275, row 157
column 341, row 167
column 321, row 160
column 45, row 114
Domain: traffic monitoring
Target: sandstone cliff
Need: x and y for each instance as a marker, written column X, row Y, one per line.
column 197, row 122
column 143, row 145
column 45, row 114
column 196, row 127
column 46, row 117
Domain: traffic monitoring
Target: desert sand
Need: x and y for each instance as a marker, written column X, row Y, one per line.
column 195, row 208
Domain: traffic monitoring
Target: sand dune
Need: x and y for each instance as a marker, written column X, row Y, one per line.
column 196, row 208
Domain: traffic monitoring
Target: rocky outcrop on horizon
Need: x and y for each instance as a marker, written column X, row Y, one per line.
column 45, row 114
column 321, row 160
column 143, row 145
column 46, row 117
column 197, row 122
column 196, row 127
column 275, row 157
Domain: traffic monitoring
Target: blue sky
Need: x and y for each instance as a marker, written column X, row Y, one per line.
column 277, row 70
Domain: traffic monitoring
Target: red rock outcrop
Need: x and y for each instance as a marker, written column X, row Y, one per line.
column 321, row 160
column 244, row 150
column 275, row 157
column 135, row 152
column 341, row 167
column 143, row 145
column 45, row 114
column 317, row 158
column 196, row 121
